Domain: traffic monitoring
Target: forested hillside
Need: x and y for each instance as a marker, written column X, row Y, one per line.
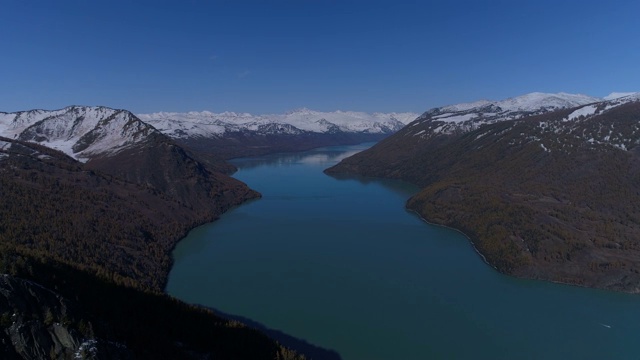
column 104, row 243
column 552, row 196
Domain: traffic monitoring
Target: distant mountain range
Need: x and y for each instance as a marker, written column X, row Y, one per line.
column 231, row 135
column 85, row 133
column 81, row 132
column 547, row 186
column 208, row 124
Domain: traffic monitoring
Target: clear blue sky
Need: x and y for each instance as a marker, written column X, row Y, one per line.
column 271, row 56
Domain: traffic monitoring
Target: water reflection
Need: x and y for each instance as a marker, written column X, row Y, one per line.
column 320, row 156
column 326, row 157
column 397, row 186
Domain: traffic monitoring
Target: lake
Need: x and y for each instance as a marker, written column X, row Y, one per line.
column 341, row 264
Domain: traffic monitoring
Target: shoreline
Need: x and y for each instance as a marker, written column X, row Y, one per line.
column 197, row 224
column 473, row 245
column 301, row 346
column 471, row 241
column 484, row 259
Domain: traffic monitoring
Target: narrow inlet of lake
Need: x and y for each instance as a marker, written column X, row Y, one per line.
column 341, row 264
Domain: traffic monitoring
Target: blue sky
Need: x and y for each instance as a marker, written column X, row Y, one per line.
column 272, row 56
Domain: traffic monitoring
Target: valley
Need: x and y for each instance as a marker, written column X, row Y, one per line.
column 544, row 185
column 326, row 180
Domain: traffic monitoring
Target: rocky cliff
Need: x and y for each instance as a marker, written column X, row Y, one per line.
column 37, row 323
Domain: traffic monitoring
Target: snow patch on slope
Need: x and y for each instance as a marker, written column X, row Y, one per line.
column 583, row 111
column 526, row 103
column 539, row 101
column 617, row 95
column 468, row 116
column 458, row 119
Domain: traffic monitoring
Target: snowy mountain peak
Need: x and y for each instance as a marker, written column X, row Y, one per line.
column 81, row 132
column 468, row 116
column 301, row 111
column 208, row 124
column 534, row 101
column 537, row 101
column 463, row 106
column 618, row 95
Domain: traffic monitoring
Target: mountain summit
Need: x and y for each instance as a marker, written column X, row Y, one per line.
column 207, row 124
column 467, row 116
column 82, row 132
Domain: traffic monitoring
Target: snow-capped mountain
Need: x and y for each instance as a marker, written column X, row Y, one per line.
column 552, row 123
column 208, row 124
column 230, row 134
column 464, row 117
column 116, row 142
column 458, row 119
column 81, row 132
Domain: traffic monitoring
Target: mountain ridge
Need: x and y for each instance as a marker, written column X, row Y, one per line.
column 82, row 132
column 232, row 135
column 207, row 123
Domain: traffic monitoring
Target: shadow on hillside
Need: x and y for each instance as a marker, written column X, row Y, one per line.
column 300, row 345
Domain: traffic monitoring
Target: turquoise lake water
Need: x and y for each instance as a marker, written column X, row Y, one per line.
column 341, row 264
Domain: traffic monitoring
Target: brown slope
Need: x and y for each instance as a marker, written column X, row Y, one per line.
column 538, row 201
column 163, row 165
column 56, row 207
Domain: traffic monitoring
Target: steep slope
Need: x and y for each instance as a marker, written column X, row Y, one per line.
column 548, row 196
column 87, row 317
column 79, row 131
column 59, row 208
column 394, row 156
column 233, row 135
column 118, row 143
column 455, row 119
column 40, row 324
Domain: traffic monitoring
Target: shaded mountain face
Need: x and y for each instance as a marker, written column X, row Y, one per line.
column 546, row 194
column 86, row 317
column 40, row 324
column 233, row 135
